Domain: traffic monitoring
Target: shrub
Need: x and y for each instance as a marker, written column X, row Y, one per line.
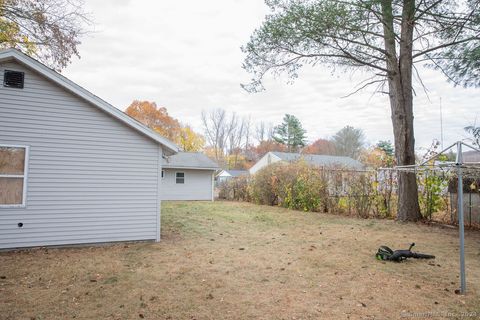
column 431, row 186
column 361, row 193
column 305, row 188
column 235, row 189
column 261, row 186
column 385, row 193
column 295, row 186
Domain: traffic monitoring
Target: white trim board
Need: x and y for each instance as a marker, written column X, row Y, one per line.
column 159, row 195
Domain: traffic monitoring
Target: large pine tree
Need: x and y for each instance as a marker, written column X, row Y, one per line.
column 386, row 37
column 290, row 133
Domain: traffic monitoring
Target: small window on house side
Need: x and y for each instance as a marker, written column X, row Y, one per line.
column 180, row 177
column 163, row 174
column 13, row 175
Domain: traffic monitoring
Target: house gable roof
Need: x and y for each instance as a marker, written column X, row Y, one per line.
column 232, row 173
column 189, row 160
column 237, row 173
column 320, row 160
column 14, row 54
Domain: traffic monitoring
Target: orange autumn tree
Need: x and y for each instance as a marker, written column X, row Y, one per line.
column 320, row 146
column 269, row 145
column 158, row 119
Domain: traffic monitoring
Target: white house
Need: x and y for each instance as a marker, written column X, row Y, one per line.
column 312, row 159
column 471, row 156
column 226, row 175
column 73, row 169
column 188, row 176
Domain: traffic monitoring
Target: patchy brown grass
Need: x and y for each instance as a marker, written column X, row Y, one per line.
column 238, row 261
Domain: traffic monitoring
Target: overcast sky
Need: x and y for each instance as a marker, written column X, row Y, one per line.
column 185, row 56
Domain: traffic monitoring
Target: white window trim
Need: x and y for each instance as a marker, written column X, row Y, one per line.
column 25, row 176
column 183, row 177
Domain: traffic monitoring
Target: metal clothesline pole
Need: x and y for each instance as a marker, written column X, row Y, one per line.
column 459, row 165
column 436, row 155
column 461, row 225
column 461, row 228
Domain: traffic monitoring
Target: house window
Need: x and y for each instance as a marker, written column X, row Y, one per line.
column 13, row 175
column 163, row 174
column 180, row 177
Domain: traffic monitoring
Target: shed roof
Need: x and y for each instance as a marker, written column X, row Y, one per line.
column 14, row 54
column 189, row 160
column 320, row 160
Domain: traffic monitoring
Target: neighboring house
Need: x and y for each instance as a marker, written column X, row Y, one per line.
column 471, row 193
column 73, row 169
column 188, row 176
column 471, row 200
column 312, row 159
column 471, row 156
column 226, row 175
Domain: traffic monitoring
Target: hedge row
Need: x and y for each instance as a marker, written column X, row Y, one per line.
column 301, row 187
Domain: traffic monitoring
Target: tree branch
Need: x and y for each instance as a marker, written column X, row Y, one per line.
column 445, row 45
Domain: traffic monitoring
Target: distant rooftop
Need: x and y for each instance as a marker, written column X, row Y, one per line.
column 189, row 160
column 321, row 160
column 237, row 173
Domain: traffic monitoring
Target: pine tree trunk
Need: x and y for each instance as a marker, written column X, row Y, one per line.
column 402, row 120
column 399, row 79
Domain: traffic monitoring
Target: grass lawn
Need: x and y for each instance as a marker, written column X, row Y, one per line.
column 241, row 261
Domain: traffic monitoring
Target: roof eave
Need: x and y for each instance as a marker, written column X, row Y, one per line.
column 190, row 168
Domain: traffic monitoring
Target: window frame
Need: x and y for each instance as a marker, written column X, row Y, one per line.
column 176, row 173
column 24, row 176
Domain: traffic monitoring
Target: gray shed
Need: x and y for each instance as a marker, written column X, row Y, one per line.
column 188, row 176
column 73, row 169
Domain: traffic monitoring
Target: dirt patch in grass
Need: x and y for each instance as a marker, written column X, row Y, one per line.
column 236, row 261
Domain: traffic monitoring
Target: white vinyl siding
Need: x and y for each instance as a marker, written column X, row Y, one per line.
column 91, row 178
column 198, row 185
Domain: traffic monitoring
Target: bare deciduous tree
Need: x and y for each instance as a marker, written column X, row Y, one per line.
column 214, row 125
column 263, row 131
column 228, row 135
column 260, row 131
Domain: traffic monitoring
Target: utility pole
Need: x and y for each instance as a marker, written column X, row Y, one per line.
column 441, row 124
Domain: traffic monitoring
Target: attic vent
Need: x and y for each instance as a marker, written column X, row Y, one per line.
column 13, row 79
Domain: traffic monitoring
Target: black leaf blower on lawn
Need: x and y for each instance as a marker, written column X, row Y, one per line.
column 385, row 253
